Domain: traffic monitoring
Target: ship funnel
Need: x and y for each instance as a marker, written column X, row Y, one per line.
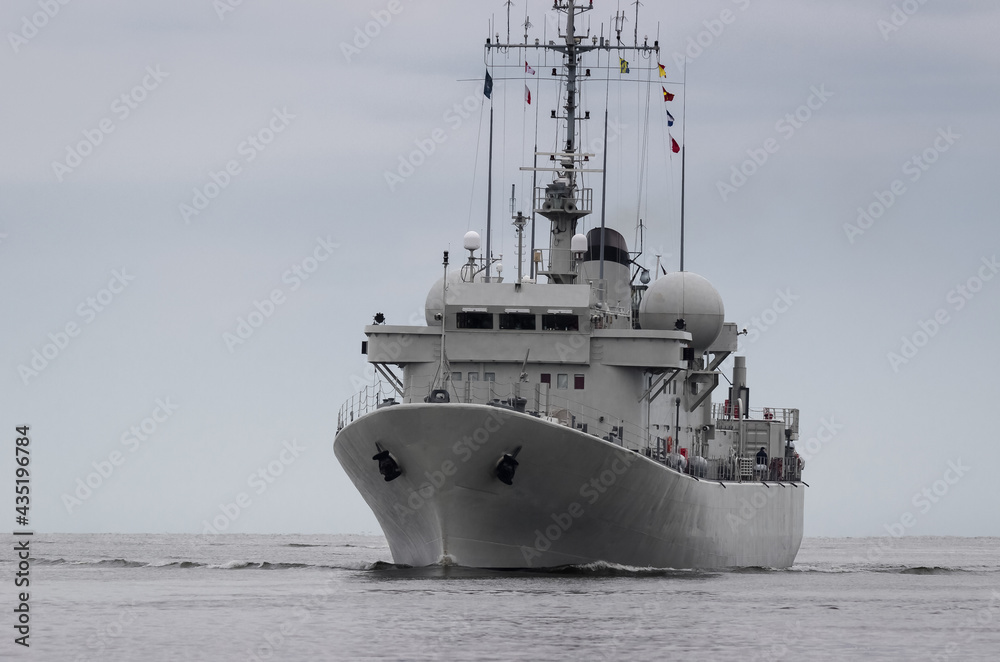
column 740, row 391
column 617, row 290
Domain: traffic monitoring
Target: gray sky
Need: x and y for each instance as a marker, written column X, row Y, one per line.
column 166, row 284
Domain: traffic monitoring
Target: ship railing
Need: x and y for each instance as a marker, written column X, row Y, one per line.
column 542, row 401
column 602, row 314
column 581, row 202
column 370, row 398
column 746, row 469
column 539, row 400
column 730, row 411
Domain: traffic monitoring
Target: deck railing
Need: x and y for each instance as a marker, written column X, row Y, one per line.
column 536, row 399
column 729, row 411
column 739, row 468
column 367, row 399
column 541, row 401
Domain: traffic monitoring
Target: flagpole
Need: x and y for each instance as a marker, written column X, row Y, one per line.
column 683, row 157
column 489, row 201
column 534, row 181
column 604, row 168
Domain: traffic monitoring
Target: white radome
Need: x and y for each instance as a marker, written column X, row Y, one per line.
column 434, row 304
column 472, row 241
column 687, row 296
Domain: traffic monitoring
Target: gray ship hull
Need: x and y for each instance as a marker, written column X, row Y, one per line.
column 575, row 499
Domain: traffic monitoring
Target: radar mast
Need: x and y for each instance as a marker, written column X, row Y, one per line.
column 563, row 201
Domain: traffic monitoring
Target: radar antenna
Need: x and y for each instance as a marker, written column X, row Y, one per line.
column 562, row 201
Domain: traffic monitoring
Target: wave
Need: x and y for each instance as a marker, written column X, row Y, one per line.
column 597, row 569
column 112, row 563
column 606, row 569
column 934, row 570
column 185, row 565
column 262, row 565
column 894, row 569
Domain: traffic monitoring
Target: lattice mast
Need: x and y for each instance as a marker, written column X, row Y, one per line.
column 562, row 201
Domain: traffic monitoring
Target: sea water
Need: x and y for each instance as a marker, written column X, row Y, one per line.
column 339, row 597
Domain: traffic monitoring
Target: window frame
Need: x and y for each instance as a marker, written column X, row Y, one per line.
column 560, row 322
column 464, row 318
column 518, row 321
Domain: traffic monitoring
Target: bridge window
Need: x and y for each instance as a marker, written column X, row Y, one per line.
column 456, row 376
column 517, row 321
column 546, row 378
column 474, row 320
column 490, row 376
column 562, row 381
column 577, row 382
column 560, row 322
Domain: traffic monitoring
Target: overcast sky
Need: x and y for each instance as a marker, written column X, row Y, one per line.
column 119, row 116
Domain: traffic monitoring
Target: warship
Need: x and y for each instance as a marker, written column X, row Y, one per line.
column 566, row 417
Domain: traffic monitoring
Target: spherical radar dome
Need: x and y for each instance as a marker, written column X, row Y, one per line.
column 683, row 295
column 434, row 304
column 472, row 241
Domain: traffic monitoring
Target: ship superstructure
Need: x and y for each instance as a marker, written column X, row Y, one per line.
column 538, row 424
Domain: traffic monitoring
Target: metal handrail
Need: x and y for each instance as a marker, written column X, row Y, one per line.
column 788, row 416
column 366, row 400
column 561, row 410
